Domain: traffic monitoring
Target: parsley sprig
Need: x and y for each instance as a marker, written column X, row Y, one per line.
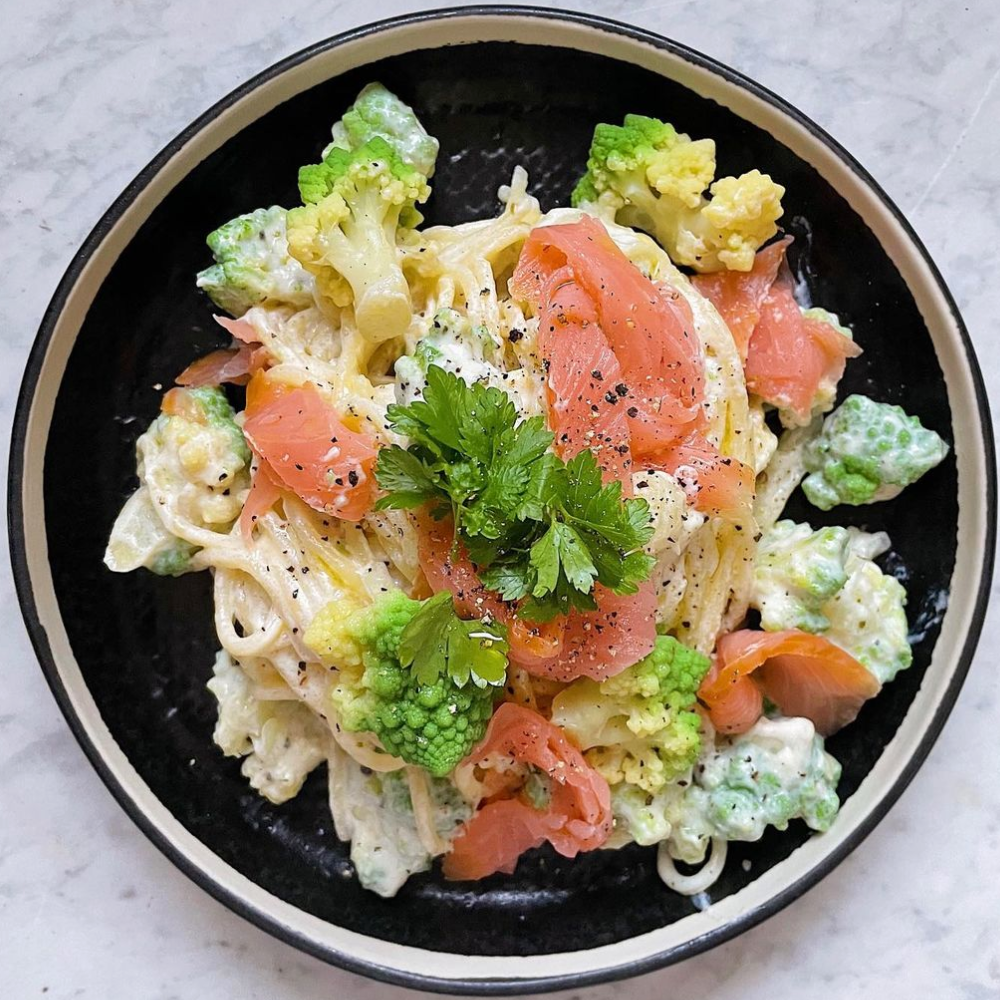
column 436, row 642
column 537, row 528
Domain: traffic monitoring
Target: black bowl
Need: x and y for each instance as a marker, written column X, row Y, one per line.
column 128, row 657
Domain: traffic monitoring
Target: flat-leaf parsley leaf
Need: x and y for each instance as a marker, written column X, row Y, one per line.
column 436, row 641
column 537, row 528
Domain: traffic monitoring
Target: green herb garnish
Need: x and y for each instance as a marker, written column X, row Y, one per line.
column 536, row 527
column 436, row 643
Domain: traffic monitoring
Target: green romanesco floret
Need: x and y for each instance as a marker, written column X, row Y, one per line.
column 796, row 572
column 253, row 265
column 638, row 726
column 345, row 233
column 377, row 112
column 193, row 461
column 867, row 452
column 655, row 179
column 432, row 725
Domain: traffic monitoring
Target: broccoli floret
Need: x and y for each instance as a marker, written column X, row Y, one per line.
column 867, row 452
column 776, row 772
column 796, row 572
column 193, row 460
column 431, row 725
column 375, row 813
column 637, row 726
column 655, row 177
column 379, row 112
column 253, row 264
column 345, row 233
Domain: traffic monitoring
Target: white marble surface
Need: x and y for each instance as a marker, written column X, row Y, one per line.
column 89, row 91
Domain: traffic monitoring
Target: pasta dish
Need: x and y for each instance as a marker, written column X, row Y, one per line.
column 494, row 511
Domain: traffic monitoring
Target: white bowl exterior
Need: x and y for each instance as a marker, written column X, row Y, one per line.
column 969, row 445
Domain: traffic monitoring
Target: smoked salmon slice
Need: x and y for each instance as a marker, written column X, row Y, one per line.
column 803, row 674
column 265, row 491
column 714, row 484
column 447, row 567
column 234, row 365
column 220, row 366
column 739, row 295
column 308, row 449
column 787, row 357
column 584, row 383
column 650, row 329
column 595, row 644
column 577, row 818
column 791, row 356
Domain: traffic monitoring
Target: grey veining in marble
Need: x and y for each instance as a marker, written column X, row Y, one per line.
column 89, row 91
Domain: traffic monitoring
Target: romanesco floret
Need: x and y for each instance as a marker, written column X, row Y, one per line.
column 253, row 265
column 431, row 725
column 379, row 112
column 655, row 179
column 796, row 572
column 867, row 452
column 193, row 466
column 637, row 726
column 345, row 233
column 775, row 772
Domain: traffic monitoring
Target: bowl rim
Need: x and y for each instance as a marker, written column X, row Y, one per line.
column 17, row 516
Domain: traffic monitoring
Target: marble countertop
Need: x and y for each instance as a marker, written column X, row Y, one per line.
column 90, row 91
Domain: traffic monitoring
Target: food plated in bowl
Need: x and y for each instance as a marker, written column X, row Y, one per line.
column 562, row 611
column 488, row 527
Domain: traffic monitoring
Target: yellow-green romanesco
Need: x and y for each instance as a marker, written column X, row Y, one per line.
column 654, row 178
column 638, row 727
column 432, row 725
